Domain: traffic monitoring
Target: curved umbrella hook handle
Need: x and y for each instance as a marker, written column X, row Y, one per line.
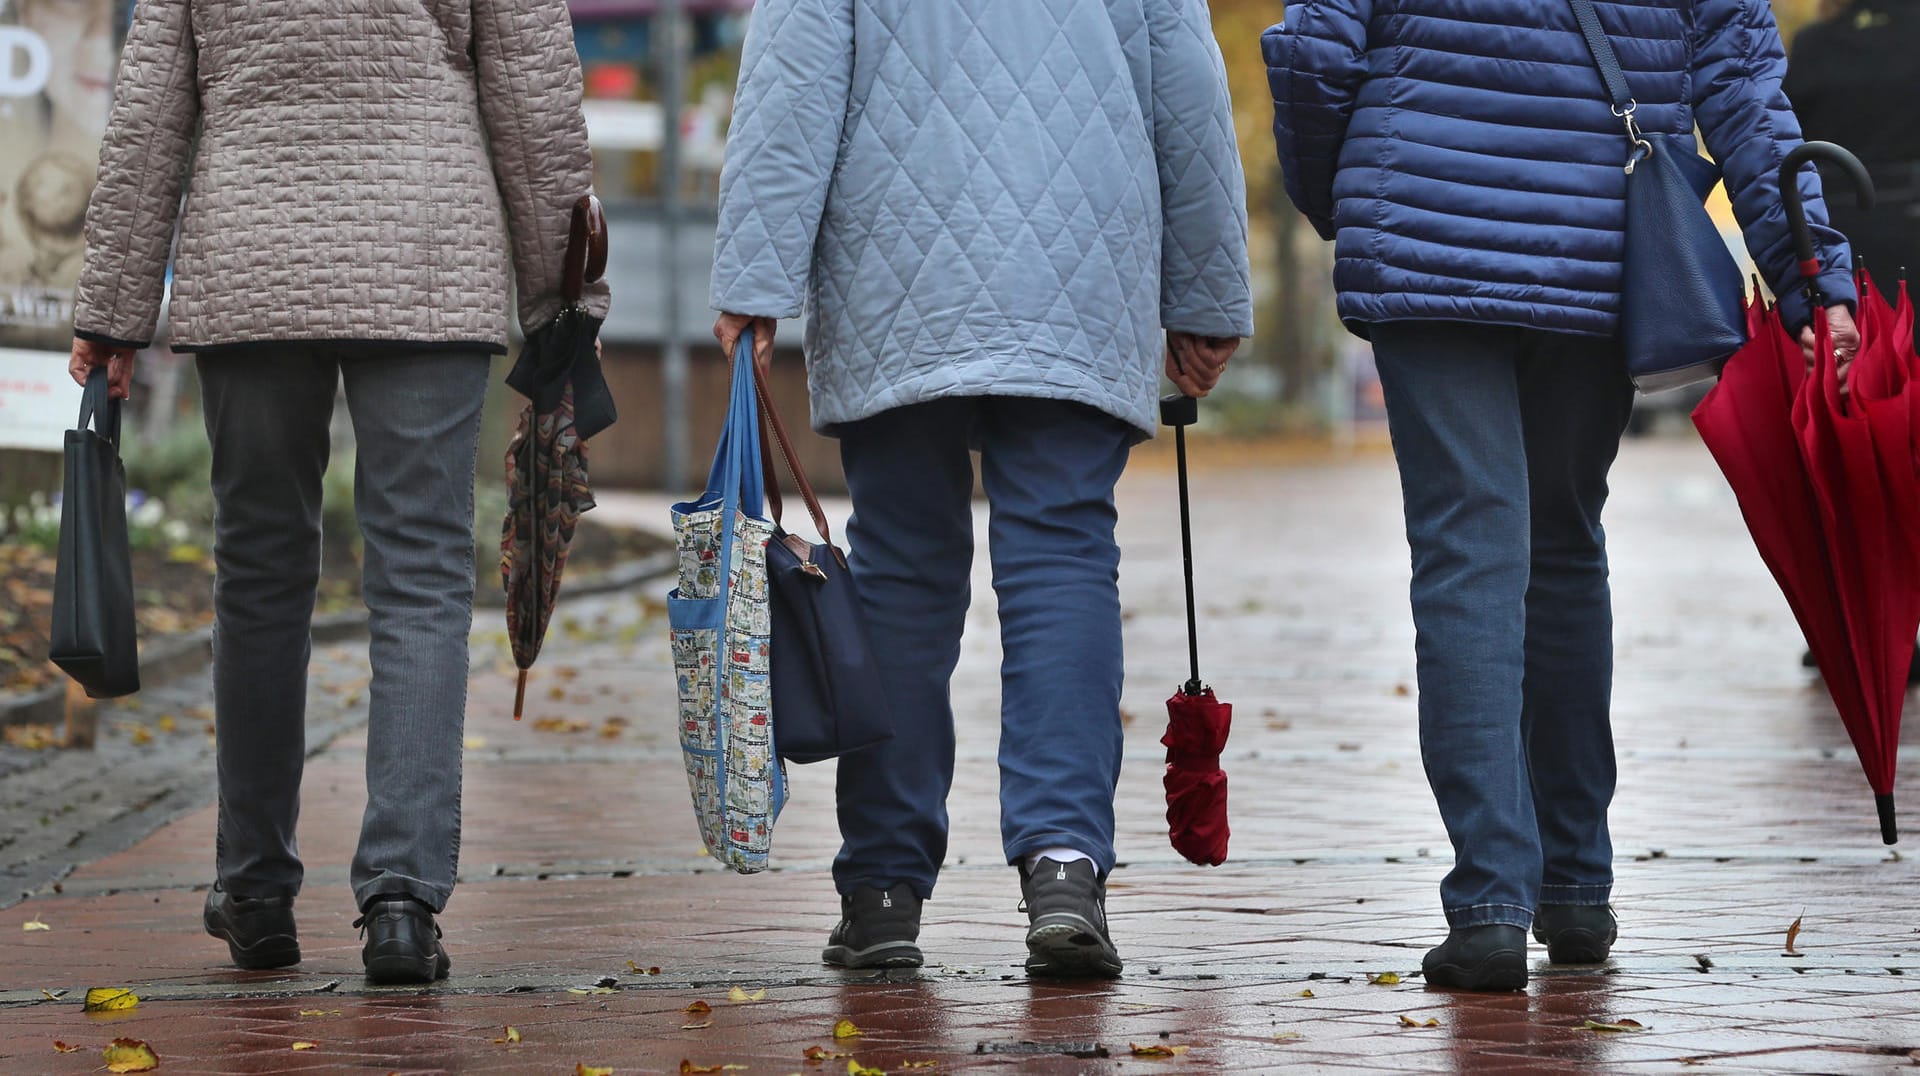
column 1790, row 195
column 586, row 249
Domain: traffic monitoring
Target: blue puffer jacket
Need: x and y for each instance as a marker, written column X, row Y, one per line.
column 1464, row 156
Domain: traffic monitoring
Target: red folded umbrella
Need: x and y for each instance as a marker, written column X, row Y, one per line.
column 1828, row 488
column 1197, row 723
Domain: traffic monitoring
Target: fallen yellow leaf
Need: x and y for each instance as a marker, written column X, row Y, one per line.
column 34, row 924
column 689, row 1067
column 1793, row 934
column 817, row 1054
column 855, row 1068
column 167, row 723
column 583, row 1069
column 474, row 743
column 1304, row 994
column 591, row 990
column 512, row 1036
column 560, row 724
column 319, row 1012
column 306, row 1046
column 62, row 1048
column 130, row 1055
column 140, row 735
column 697, row 1008
column 740, row 997
column 1156, row 1050
column 1408, row 1021
column 1615, row 1025
column 919, row 1064
column 844, row 1029
column 110, row 999
column 1385, row 978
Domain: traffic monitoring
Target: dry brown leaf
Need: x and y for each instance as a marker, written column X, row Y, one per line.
column 1613, row 1025
column 1793, row 934
column 817, row 1054
column 1402, row 690
column 1156, row 1050
column 306, row 1046
column 739, row 996
column 1385, row 978
column 697, row 1008
column 567, row 725
column 844, row 1029
column 34, row 924
column 581, row 1068
column 610, row 732
column 110, row 999
column 511, row 1036
column 556, row 693
column 62, row 1048
column 687, row 1067
column 130, row 1055
column 1408, row 1021
column 140, row 735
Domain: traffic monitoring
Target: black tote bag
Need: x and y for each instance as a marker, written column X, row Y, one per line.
column 93, row 637
column 827, row 699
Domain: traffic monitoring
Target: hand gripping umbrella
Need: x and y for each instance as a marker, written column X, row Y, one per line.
column 547, row 486
column 1827, row 485
column 1197, row 723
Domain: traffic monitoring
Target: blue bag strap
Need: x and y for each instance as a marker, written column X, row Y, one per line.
column 1603, row 56
column 745, row 475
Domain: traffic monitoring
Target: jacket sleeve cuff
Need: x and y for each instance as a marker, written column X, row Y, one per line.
column 111, row 341
column 1835, row 286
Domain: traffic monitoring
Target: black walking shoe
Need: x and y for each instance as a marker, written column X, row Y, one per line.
column 1491, row 957
column 879, row 928
column 259, row 931
column 1066, row 906
column 403, row 941
column 1576, row 933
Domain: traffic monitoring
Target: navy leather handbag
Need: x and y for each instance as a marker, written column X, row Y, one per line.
column 1682, row 299
column 827, row 699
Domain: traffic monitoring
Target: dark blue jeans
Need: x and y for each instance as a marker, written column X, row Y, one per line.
column 1504, row 437
column 1049, row 469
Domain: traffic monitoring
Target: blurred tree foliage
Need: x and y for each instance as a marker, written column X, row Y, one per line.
column 1298, row 337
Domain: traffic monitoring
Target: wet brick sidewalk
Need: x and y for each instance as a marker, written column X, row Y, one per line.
column 1741, row 808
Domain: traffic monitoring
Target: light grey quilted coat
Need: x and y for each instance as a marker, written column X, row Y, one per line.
column 342, row 185
column 984, row 197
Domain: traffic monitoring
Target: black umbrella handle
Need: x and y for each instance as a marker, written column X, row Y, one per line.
column 1181, row 411
column 1889, row 831
column 1792, row 199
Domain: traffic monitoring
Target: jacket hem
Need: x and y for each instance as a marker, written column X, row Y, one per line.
column 380, row 345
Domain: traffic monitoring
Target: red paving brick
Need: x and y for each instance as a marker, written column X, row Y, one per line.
column 1740, row 808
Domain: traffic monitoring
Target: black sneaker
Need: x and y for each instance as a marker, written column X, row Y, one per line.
column 879, row 928
column 403, row 942
column 259, row 931
column 1492, row 957
column 1066, row 906
column 1576, row 933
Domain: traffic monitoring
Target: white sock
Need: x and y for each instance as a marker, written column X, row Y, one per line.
column 1058, row 855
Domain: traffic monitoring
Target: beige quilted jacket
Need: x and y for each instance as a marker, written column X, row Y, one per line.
column 357, row 167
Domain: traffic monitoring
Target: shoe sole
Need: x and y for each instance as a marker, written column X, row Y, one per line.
column 391, row 969
column 272, row 951
column 1576, row 946
column 896, row 954
column 1502, row 969
column 1066, row 946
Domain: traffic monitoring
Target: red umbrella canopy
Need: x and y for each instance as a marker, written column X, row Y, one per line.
column 1828, row 488
column 1197, row 727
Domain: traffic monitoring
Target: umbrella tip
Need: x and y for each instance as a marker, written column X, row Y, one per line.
column 1889, row 833
column 520, row 696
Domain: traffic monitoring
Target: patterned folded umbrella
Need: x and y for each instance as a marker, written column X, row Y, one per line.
column 547, row 484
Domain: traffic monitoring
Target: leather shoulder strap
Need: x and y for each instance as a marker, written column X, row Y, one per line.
column 770, row 416
column 1603, row 55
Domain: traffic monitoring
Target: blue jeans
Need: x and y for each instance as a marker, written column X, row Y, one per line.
column 1504, row 437
column 1049, row 469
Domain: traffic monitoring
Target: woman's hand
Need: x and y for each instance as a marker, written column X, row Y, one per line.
column 728, row 327
column 1195, row 363
column 1846, row 341
column 118, row 360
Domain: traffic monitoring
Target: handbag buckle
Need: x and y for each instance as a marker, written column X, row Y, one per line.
column 1641, row 149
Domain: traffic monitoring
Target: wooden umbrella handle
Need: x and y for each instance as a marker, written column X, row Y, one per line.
column 586, row 249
